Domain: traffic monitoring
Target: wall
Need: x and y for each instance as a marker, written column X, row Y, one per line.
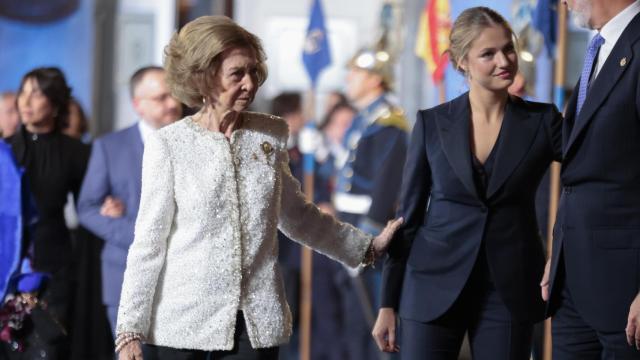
column 67, row 44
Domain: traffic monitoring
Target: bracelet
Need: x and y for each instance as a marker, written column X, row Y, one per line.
column 369, row 256
column 125, row 338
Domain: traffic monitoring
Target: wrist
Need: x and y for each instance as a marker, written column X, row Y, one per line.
column 370, row 255
column 124, row 339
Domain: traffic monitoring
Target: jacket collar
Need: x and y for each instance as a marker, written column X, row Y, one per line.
column 453, row 123
column 617, row 63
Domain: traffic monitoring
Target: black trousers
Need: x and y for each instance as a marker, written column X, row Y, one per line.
column 242, row 349
column 478, row 311
column 574, row 339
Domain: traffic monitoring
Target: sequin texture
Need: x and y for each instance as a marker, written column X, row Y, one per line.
column 206, row 236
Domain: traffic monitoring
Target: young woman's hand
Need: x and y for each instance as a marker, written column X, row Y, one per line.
column 384, row 331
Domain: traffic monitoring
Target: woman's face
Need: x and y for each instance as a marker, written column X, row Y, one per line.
column 34, row 107
column 237, row 80
column 492, row 61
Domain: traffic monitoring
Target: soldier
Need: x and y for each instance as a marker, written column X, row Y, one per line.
column 368, row 183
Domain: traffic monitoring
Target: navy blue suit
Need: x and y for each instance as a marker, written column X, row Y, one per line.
column 447, row 223
column 114, row 169
column 596, row 249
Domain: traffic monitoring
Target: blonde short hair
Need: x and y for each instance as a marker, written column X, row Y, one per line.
column 468, row 27
column 194, row 55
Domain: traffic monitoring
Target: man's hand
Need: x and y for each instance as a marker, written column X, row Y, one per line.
column 112, row 207
column 633, row 323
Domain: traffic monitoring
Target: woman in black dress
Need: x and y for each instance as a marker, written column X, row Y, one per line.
column 54, row 166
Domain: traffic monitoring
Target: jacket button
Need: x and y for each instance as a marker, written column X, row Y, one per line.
column 567, row 189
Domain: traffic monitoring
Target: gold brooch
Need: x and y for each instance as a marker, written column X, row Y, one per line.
column 267, row 148
column 623, row 62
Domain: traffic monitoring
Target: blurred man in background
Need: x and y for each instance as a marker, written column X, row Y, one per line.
column 110, row 194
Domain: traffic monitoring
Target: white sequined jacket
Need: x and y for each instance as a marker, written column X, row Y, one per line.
column 205, row 242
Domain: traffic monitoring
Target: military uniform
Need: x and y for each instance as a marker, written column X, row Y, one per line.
column 367, row 191
column 368, row 184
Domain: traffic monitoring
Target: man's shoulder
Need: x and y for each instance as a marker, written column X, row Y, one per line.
column 120, row 137
column 393, row 117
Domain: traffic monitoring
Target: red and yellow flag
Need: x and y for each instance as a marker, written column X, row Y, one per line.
column 433, row 37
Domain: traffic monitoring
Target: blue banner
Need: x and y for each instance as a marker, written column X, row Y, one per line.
column 545, row 20
column 316, row 54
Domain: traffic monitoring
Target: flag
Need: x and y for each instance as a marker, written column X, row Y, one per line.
column 316, row 54
column 433, row 37
column 545, row 20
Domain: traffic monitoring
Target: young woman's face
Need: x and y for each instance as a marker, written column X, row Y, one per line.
column 33, row 105
column 492, row 61
column 237, row 80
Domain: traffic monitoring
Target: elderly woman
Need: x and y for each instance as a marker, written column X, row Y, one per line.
column 202, row 277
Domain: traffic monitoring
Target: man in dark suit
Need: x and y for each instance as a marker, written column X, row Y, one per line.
column 110, row 193
column 595, row 267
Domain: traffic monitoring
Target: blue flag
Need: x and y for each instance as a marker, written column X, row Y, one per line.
column 545, row 19
column 316, row 54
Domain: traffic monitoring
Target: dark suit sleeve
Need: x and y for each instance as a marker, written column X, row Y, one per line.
column 554, row 129
column 416, row 188
column 387, row 180
column 638, row 96
column 95, row 187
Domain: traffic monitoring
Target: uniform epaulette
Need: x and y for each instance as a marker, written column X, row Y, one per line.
column 395, row 117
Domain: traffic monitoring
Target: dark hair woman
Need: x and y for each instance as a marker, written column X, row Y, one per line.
column 54, row 166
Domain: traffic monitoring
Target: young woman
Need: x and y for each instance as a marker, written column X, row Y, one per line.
column 469, row 258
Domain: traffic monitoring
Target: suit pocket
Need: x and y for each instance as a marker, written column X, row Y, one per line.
column 427, row 243
column 617, row 238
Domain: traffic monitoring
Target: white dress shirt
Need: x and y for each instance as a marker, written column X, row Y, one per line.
column 145, row 130
column 611, row 32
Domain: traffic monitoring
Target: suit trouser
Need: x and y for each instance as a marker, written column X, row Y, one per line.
column 574, row 339
column 479, row 311
column 242, row 349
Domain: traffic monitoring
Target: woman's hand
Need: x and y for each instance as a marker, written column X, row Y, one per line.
column 544, row 283
column 384, row 331
column 382, row 241
column 131, row 351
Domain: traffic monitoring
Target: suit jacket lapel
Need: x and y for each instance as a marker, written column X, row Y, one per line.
column 516, row 136
column 453, row 128
column 608, row 76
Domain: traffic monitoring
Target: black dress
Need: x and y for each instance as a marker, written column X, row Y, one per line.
column 54, row 165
